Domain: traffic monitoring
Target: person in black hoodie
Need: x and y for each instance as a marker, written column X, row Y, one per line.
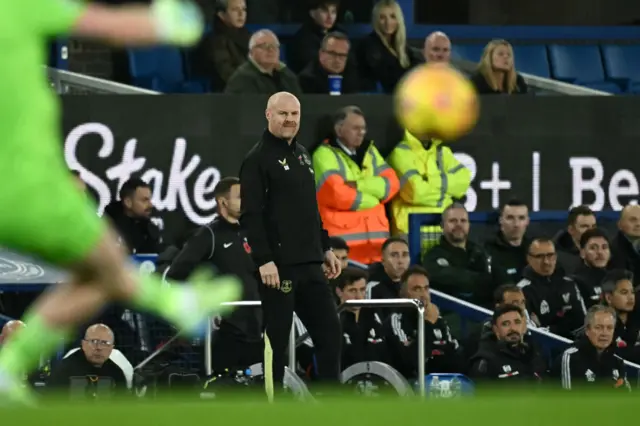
column 307, row 40
column 332, row 59
column 363, row 338
column 617, row 287
column 507, row 353
column 592, row 360
column 442, row 351
column 131, row 217
column 385, row 276
column 223, row 246
column 567, row 242
column 553, row 297
column 595, row 254
column 508, row 249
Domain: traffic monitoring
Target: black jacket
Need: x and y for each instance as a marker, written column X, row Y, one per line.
column 506, row 259
column 442, row 351
column 305, row 44
column 248, row 79
column 625, row 256
column 581, row 366
column 314, row 79
column 626, row 339
column 376, row 63
column 568, row 254
column 362, row 340
column 589, row 282
column 380, row 286
column 466, row 274
column 497, row 360
column 483, row 87
column 279, row 206
column 77, row 365
column 140, row 235
column 223, row 246
column 555, row 300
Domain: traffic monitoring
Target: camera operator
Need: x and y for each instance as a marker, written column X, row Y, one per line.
column 223, row 245
column 592, row 360
column 506, row 355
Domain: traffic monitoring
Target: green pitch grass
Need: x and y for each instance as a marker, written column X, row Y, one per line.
column 554, row 408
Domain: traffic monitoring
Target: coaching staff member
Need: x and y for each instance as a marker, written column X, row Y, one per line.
column 290, row 246
column 237, row 344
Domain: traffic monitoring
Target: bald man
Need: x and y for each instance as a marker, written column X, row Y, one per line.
column 92, row 362
column 10, row 328
column 625, row 247
column 288, row 242
column 437, row 48
column 263, row 73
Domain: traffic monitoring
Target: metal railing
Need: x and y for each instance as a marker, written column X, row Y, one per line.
column 387, row 303
column 540, row 84
column 293, row 343
column 66, row 82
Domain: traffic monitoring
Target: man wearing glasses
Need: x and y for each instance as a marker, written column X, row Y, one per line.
column 95, row 370
column 329, row 72
column 553, row 297
column 263, row 73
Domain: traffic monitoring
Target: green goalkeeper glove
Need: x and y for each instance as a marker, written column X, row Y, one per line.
column 178, row 22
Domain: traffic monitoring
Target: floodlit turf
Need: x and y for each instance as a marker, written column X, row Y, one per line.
column 554, row 408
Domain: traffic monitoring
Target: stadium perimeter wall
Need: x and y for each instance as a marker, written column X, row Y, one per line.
column 551, row 152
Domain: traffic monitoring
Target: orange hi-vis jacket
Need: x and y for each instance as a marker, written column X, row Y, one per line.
column 351, row 196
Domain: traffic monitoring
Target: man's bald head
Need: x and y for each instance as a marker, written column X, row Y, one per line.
column 98, row 329
column 283, row 115
column 97, row 344
column 10, row 328
column 629, row 222
column 437, row 48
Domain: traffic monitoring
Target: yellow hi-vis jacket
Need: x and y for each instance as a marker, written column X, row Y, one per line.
column 430, row 179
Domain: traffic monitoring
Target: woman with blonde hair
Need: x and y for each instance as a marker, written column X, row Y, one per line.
column 384, row 56
column 496, row 71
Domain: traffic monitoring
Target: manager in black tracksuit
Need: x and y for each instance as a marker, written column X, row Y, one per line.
column 237, row 343
column 280, row 214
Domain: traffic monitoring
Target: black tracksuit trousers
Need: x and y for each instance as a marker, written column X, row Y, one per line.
column 303, row 289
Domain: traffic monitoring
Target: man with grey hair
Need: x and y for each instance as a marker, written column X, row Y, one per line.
column 353, row 184
column 263, row 73
column 592, row 361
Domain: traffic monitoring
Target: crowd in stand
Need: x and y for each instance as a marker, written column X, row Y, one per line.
column 238, row 62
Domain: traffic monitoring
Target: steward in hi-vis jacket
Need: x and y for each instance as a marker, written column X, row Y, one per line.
column 352, row 187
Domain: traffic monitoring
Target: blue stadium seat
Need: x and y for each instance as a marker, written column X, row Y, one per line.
column 579, row 65
column 470, row 52
column 532, row 60
column 283, row 53
column 622, row 64
column 160, row 69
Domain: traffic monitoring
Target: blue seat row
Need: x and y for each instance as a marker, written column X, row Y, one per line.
column 611, row 68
